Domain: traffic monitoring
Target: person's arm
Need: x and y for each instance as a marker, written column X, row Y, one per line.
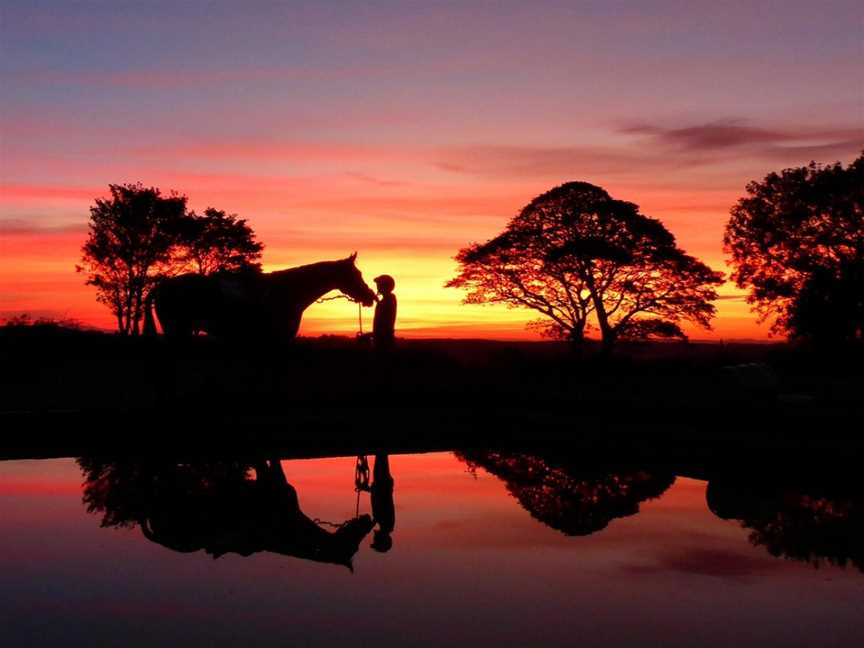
column 376, row 317
column 391, row 315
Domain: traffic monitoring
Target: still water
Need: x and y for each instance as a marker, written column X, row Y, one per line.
column 482, row 548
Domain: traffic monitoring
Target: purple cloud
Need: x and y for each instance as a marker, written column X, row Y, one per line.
column 731, row 565
column 727, row 134
column 659, row 149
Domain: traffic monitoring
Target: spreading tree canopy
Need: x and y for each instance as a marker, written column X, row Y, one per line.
column 797, row 242
column 574, row 253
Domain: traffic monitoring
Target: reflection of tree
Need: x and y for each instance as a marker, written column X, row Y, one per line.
column 575, row 503
column 807, row 524
column 220, row 507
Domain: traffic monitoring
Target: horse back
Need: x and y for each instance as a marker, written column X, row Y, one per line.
column 226, row 304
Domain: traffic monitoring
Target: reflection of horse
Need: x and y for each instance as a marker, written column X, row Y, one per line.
column 217, row 507
column 250, row 303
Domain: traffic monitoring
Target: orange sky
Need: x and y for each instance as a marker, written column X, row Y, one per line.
column 406, row 134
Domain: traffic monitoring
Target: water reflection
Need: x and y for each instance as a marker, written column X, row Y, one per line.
column 810, row 523
column 247, row 507
column 218, row 506
column 573, row 501
column 469, row 564
column 383, row 507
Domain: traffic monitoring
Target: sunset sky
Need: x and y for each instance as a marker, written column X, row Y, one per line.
column 406, row 130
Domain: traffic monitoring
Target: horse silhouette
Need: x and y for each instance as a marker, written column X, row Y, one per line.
column 250, row 303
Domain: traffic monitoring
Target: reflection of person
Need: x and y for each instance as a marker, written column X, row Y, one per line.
column 383, row 508
column 384, row 324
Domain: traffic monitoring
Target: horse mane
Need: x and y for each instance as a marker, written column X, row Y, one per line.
column 309, row 268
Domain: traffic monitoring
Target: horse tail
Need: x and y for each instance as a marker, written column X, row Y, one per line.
column 149, row 322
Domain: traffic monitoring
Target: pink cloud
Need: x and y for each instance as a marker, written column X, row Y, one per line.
column 13, row 191
column 269, row 150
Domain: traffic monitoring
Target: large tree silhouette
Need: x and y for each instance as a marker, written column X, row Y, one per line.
column 797, row 242
column 574, row 251
column 133, row 239
column 220, row 242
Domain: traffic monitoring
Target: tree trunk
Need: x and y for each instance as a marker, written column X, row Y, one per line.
column 127, row 311
column 609, row 338
column 577, row 341
column 577, row 335
column 606, row 331
column 124, row 317
column 136, row 313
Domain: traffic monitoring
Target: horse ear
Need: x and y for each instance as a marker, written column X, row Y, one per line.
column 353, row 257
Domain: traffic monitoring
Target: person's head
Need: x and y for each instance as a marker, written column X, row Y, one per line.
column 385, row 284
column 381, row 541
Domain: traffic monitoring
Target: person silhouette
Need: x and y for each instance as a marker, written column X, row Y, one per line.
column 384, row 323
column 383, row 508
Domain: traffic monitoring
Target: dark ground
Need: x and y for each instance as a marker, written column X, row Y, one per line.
column 65, row 391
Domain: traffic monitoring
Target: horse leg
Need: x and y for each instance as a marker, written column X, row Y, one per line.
column 292, row 326
column 280, row 329
column 174, row 325
column 286, row 492
column 177, row 330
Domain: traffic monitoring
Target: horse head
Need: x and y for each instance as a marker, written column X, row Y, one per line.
column 350, row 282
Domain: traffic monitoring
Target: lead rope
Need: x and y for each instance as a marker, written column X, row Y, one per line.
column 361, row 480
column 359, row 308
column 361, row 483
